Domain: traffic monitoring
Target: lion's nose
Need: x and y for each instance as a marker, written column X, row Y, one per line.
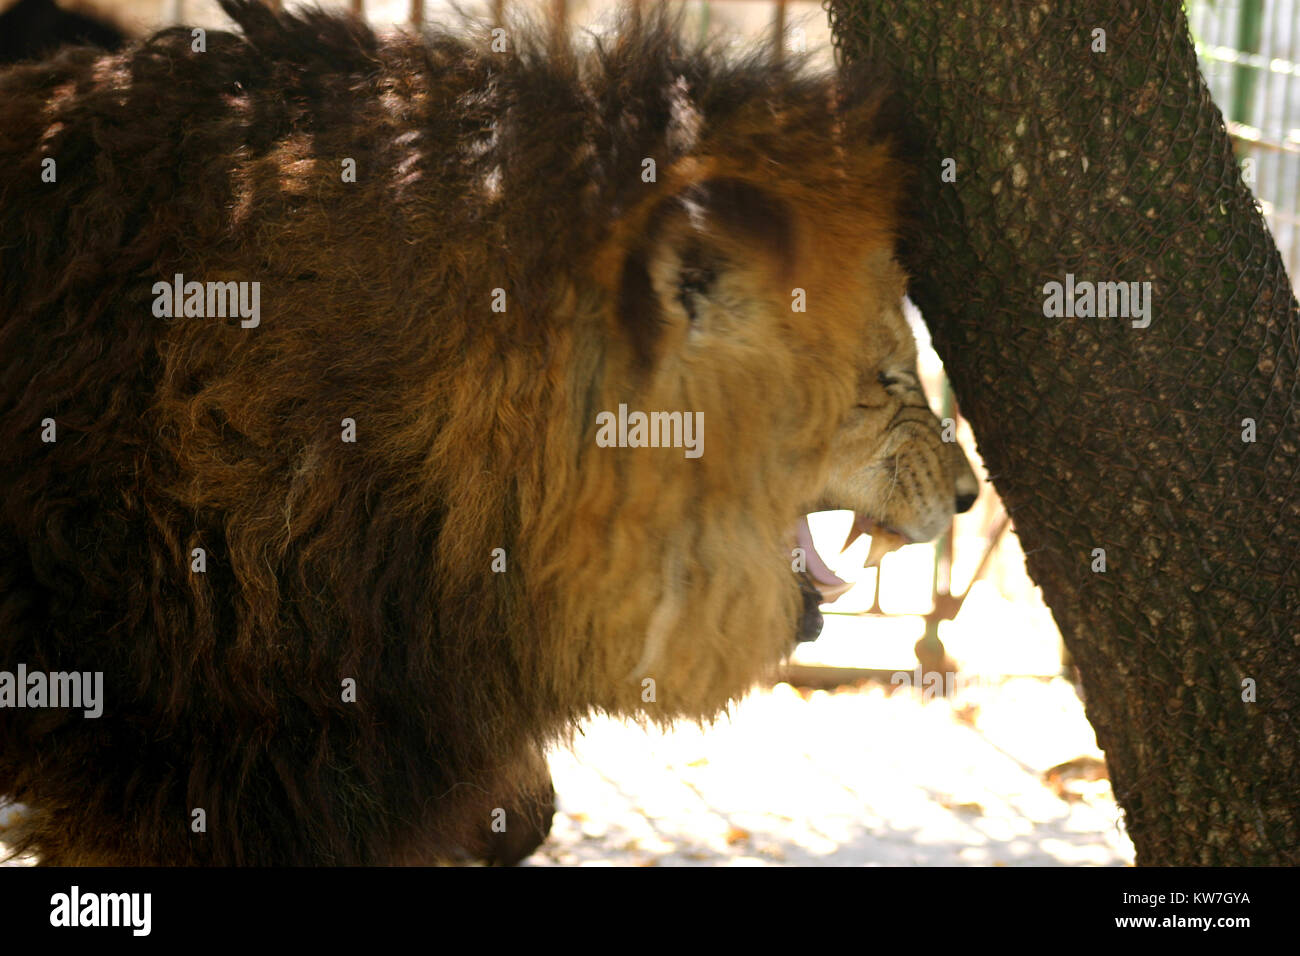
column 966, row 487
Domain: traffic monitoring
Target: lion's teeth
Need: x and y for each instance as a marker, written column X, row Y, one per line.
column 854, row 533
column 882, row 542
column 860, row 527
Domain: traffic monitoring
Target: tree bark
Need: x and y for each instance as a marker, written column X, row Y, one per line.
column 1098, row 433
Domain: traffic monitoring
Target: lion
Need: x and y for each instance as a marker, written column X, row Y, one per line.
column 308, row 336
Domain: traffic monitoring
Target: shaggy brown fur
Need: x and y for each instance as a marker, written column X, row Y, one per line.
column 372, row 560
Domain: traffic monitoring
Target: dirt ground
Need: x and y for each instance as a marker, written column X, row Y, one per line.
column 858, row 777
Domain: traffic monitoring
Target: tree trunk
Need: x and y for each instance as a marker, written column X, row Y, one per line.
column 1110, row 433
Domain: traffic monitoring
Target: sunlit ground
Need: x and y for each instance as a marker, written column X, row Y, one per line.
column 842, row 779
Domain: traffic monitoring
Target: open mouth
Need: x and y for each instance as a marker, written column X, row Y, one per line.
column 819, row 584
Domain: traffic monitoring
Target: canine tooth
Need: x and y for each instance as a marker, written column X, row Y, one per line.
column 882, row 542
column 860, row 527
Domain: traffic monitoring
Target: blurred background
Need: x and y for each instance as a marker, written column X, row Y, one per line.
column 853, row 758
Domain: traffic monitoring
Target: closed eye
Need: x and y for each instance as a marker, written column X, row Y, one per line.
column 897, row 379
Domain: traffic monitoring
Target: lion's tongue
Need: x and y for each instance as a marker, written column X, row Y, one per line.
column 828, row 582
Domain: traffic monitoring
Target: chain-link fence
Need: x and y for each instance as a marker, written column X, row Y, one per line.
column 1249, row 51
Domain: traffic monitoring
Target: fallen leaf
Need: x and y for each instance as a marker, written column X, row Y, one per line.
column 736, row 835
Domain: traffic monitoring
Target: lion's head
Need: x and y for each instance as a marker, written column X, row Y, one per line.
column 742, row 359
